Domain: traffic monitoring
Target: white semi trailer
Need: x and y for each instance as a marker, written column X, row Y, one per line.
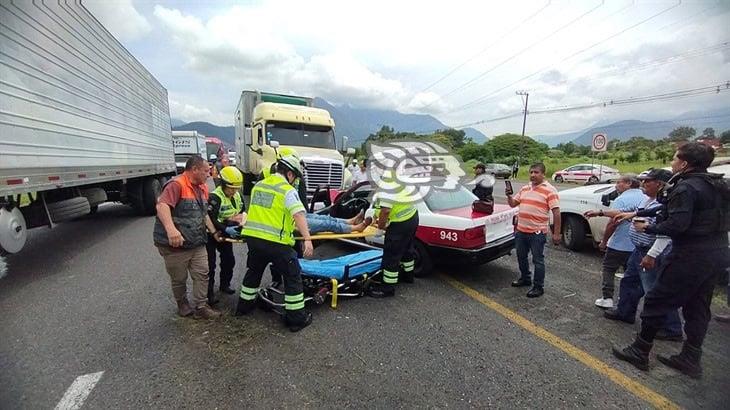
column 82, row 122
column 187, row 144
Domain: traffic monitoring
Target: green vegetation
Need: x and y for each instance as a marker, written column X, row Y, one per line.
column 634, row 155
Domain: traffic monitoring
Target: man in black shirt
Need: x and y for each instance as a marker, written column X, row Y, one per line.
column 695, row 217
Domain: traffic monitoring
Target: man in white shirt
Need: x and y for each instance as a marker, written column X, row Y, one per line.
column 360, row 174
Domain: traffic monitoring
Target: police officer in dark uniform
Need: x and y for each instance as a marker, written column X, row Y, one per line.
column 694, row 217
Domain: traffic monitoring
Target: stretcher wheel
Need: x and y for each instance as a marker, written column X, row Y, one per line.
column 262, row 304
column 320, row 296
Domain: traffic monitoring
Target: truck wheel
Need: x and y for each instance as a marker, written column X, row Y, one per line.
column 134, row 197
column 68, row 209
column 574, row 233
column 151, row 189
column 424, row 265
column 13, row 231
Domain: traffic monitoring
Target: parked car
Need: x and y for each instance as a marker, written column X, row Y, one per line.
column 448, row 229
column 499, row 170
column 576, row 201
column 586, row 173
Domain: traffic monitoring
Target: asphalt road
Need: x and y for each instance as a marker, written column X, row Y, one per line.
column 92, row 296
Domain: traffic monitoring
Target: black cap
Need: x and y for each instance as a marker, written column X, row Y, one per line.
column 480, row 165
column 659, row 174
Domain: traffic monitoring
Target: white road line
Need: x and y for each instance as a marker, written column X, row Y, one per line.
column 79, row 391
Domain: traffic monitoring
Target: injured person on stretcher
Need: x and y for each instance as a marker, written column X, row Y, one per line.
column 324, row 223
column 319, row 224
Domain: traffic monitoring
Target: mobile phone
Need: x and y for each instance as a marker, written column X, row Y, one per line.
column 508, row 188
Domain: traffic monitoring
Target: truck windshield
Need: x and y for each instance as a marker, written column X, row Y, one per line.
column 441, row 200
column 302, row 135
column 211, row 149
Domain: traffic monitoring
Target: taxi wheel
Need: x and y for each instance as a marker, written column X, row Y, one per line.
column 559, row 179
column 424, row 264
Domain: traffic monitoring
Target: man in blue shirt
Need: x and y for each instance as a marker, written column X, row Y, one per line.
column 616, row 241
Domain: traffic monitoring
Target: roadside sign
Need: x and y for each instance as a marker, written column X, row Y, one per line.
column 600, row 143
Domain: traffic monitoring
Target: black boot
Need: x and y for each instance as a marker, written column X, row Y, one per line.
column 406, row 277
column 636, row 353
column 380, row 290
column 211, row 294
column 244, row 307
column 298, row 321
column 687, row 361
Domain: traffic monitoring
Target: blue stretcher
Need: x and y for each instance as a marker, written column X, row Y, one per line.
column 346, row 276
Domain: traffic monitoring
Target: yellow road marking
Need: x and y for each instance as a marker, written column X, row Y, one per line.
column 633, row 386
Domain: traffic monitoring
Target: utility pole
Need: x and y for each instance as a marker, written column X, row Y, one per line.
column 524, row 118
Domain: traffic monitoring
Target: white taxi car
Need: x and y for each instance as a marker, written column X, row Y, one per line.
column 448, row 231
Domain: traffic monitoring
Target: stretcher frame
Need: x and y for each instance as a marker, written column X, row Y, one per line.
column 317, row 288
column 367, row 232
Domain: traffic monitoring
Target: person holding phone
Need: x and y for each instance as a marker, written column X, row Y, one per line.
column 695, row 218
column 536, row 201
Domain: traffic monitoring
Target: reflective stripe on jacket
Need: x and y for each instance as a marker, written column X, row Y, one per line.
column 188, row 216
column 229, row 208
column 268, row 217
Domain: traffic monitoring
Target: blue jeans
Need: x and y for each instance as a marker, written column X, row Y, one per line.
column 636, row 282
column 325, row 223
column 535, row 244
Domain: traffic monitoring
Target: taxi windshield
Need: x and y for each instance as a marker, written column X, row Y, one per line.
column 441, row 199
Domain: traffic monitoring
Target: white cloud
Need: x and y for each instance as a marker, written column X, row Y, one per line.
column 256, row 55
column 189, row 112
column 120, row 17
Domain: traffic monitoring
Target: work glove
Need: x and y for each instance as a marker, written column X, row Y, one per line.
column 232, row 231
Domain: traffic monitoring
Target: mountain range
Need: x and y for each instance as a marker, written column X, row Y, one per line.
column 356, row 123
column 625, row 129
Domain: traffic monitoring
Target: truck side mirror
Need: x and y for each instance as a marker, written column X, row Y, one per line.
column 351, row 152
column 274, row 144
column 343, row 144
column 247, row 136
column 260, row 135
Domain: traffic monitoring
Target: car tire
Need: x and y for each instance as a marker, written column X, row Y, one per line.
column 592, row 180
column 559, row 179
column 424, row 264
column 574, row 233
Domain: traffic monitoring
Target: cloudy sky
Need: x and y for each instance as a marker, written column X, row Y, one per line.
column 461, row 61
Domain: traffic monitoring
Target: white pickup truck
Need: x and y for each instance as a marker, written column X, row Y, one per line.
column 575, row 202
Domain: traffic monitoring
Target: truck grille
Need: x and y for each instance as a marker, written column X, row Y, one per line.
column 322, row 175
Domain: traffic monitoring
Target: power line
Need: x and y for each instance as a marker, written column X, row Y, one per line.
column 675, row 121
column 676, row 58
column 711, row 89
column 472, row 58
column 508, row 59
column 484, row 97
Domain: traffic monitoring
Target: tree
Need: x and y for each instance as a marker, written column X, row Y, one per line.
column 682, row 134
column 709, row 132
column 725, row 137
column 479, row 152
column 458, row 137
column 634, row 156
column 510, row 146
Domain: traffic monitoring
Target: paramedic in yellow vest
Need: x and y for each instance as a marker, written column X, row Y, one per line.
column 399, row 218
column 274, row 213
column 226, row 210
